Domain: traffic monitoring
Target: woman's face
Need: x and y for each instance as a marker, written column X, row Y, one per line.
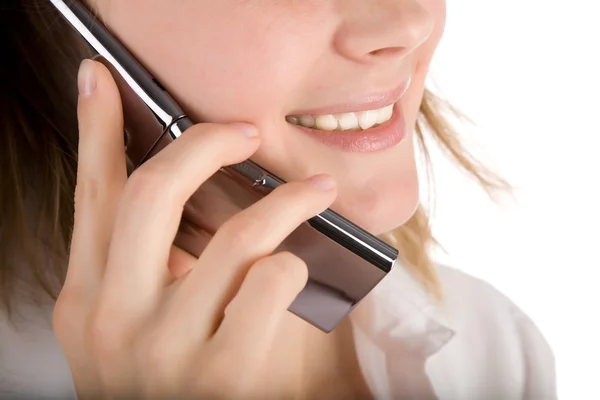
column 270, row 62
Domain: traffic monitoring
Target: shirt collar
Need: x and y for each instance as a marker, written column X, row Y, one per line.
column 399, row 311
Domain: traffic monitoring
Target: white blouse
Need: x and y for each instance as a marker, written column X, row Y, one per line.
column 476, row 345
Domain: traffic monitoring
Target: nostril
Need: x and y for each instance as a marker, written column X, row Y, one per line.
column 387, row 52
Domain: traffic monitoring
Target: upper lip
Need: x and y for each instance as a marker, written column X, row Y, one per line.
column 369, row 101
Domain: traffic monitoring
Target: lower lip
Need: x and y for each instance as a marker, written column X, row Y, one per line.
column 382, row 137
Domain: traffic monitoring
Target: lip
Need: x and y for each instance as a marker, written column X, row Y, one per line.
column 379, row 138
column 371, row 101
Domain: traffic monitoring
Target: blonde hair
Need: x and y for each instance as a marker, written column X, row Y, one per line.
column 414, row 239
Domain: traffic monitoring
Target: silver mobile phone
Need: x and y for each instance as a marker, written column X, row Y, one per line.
column 344, row 261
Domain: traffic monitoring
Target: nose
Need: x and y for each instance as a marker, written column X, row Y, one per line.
column 375, row 30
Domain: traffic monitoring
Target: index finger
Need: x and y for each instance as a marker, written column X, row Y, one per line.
column 151, row 208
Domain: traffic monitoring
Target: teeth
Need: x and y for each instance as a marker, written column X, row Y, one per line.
column 348, row 121
column 307, row 121
column 326, row 122
column 367, row 119
column 385, row 114
column 344, row 122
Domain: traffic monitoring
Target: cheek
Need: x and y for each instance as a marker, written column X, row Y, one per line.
column 230, row 80
column 247, row 74
column 437, row 9
column 423, row 56
column 216, row 72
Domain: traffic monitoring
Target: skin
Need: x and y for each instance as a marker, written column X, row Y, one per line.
column 260, row 60
column 210, row 330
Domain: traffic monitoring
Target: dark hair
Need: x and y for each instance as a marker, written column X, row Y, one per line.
column 38, row 153
column 38, row 143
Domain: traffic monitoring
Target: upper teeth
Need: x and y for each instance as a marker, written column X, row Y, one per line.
column 344, row 122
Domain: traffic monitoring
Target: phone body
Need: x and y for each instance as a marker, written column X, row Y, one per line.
column 344, row 261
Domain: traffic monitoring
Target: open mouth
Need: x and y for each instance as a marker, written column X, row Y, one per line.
column 355, row 115
column 371, row 123
column 351, row 121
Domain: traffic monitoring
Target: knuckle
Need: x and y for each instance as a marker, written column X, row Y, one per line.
column 241, row 230
column 147, row 185
column 90, row 191
column 106, row 341
column 274, row 277
column 281, row 273
column 86, row 189
column 294, row 265
column 158, row 344
column 154, row 349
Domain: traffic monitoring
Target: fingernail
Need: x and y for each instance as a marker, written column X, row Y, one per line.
column 86, row 78
column 249, row 130
column 322, row 182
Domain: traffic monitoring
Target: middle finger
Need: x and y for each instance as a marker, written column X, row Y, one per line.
column 248, row 236
column 151, row 207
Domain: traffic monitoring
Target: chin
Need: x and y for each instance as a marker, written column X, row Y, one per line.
column 381, row 209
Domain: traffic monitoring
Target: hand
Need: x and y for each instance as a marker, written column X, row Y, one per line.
column 128, row 326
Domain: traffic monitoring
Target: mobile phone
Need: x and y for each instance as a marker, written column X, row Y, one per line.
column 344, row 261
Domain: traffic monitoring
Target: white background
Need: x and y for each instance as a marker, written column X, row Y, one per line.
column 528, row 73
